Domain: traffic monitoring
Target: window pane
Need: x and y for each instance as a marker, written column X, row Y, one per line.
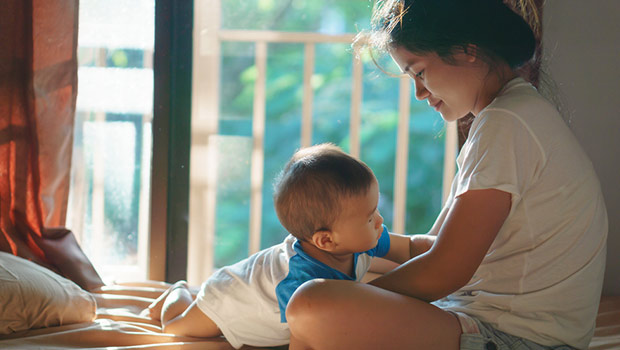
column 109, row 201
column 233, row 198
column 332, row 94
column 379, row 132
column 233, row 150
column 282, row 126
column 425, row 172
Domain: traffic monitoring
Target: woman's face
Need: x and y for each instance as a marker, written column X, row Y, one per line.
column 453, row 90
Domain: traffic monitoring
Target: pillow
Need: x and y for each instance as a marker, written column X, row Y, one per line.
column 32, row 296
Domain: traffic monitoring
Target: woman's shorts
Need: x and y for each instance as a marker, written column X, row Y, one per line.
column 478, row 335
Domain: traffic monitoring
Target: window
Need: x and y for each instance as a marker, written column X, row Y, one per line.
column 268, row 77
column 109, row 200
column 271, row 76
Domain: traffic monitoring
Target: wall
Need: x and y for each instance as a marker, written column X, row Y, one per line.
column 581, row 41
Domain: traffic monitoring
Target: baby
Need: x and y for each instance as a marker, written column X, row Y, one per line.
column 327, row 200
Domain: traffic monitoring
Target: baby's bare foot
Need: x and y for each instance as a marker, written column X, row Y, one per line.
column 153, row 311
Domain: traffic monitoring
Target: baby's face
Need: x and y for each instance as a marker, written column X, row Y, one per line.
column 359, row 226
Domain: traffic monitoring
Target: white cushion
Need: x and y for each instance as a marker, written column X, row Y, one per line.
column 32, row 296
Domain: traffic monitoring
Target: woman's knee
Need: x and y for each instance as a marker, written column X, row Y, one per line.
column 302, row 300
column 315, row 302
column 305, row 307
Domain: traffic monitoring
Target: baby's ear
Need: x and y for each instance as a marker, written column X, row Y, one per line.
column 323, row 240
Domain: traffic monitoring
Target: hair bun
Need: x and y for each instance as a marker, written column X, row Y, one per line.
column 507, row 32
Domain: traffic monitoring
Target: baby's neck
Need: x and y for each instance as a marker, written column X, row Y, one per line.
column 340, row 262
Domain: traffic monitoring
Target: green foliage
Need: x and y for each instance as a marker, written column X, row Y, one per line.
column 296, row 15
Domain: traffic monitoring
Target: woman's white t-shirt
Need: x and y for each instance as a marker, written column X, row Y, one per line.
column 541, row 279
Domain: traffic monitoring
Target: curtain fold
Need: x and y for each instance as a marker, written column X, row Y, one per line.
column 38, row 90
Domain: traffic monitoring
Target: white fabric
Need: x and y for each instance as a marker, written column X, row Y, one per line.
column 241, row 299
column 542, row 277
column 32, row 296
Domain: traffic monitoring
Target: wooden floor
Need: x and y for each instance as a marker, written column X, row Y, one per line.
column 607, row 332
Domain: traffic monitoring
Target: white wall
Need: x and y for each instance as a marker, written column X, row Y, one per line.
column 581, row 40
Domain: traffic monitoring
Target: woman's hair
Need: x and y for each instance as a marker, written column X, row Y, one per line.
column 448, row 26
column 310, row 189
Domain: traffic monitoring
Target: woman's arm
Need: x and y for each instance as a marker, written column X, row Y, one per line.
column 471, row 224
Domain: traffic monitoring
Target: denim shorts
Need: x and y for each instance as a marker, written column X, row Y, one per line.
column 478, row 335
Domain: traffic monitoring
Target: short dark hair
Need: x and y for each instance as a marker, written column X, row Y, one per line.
column 309, row 190
column 444, row 26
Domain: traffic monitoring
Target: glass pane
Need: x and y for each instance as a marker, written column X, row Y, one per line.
column 282, row 126
column 332, row 94
column 233, row 149
column 109, row 201
column 425, row 171
column 233, row 198
column 238, row 74
column 379, row 132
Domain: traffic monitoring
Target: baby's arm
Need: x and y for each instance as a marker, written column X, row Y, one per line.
column 403, row 248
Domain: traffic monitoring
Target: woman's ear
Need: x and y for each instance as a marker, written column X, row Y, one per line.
column 324, row 240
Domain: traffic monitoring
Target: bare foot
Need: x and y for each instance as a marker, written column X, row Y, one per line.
column 153, row 311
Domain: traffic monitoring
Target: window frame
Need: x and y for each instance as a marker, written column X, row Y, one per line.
column 172, row 72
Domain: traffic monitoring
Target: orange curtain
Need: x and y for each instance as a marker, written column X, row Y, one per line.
column 38, row 89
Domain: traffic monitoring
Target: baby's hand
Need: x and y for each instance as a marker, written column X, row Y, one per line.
column 153, row 311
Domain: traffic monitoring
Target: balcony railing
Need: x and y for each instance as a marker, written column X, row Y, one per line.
column 208, row 39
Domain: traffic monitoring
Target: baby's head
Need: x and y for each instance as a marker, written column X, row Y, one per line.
column 311, row 190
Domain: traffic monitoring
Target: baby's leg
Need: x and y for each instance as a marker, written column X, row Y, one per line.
column 154, row 311
column 180, row 315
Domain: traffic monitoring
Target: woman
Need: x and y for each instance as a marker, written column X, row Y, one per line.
column 515, row 259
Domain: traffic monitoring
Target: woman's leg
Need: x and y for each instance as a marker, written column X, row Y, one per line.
column 331, row 314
